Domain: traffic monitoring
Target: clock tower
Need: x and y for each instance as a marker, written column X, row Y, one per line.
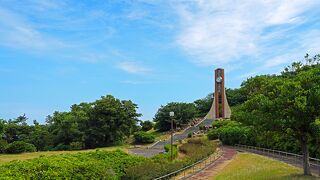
column 220, row 107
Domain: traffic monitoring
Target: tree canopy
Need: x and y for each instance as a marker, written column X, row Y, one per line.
column 183, row 114
column 87, row 125
column 288, row 103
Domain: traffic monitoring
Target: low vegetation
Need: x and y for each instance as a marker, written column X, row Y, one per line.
column 4, row 158
column 101, row 164
column 159, row 165
column 250, row 166
column 144, row 137
column 90, row 165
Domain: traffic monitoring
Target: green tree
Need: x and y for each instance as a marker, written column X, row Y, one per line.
column 110, row 120
column 235, row 96
column 286, row 104
column 183, row 114
column 203, row 105
column 146, row 125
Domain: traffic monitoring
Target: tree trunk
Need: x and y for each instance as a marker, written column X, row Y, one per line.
column 305, row 153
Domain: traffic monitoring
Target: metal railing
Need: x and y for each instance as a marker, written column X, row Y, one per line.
column 194, row 168
column 290, row 158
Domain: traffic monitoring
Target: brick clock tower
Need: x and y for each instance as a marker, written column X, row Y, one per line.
column 220, row 107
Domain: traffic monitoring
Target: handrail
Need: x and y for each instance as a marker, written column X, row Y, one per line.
column 292, row 158
column 220, row 153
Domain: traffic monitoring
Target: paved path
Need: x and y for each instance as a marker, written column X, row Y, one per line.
column 212, row 169
column 159, row 146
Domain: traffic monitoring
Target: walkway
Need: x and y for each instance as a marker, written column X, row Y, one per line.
column 159, row 146
column 207, row 173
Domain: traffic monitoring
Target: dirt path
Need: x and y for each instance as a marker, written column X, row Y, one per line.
column 214, row 168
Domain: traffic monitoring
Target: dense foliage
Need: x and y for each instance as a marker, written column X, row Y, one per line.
column 183, row 114
column 146, row 125
column 88, row 125
column 144, row 137
column 230, row 132
column 89, row 165
column 20, row 147
column 288, row 104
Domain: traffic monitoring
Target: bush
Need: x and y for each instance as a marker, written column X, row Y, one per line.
column 197, row 148
column 20, row 147
column 87, row 165
column 146, row 125
column 190, row 135
column 3, row 145
column 231, row 135
column 143, row 137
column 222, row 123
column 213, row 134
column 76, row 145
column 61, row 147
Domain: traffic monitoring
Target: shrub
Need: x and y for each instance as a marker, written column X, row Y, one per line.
column 143, row 137
column 87, row 165
column 20, row 147
column 213, row 134
column 231, row 135
column 146, row 125
column 197, row 148
column 222, row 123
column 3, row 145
column 76, row 145
column 190, row 135
column 61, row 147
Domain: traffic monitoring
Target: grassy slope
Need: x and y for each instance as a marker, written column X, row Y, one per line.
column 24, row 156
column 159, row 135
column 251, row 166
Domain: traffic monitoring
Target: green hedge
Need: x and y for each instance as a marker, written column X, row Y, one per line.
column 144, row 137
column 230, row 133
column 20, row 147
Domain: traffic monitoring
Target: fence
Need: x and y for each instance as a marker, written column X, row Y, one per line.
column 190, row 170
column 290, row 158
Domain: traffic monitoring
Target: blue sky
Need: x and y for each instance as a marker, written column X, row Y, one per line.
column 57, row 53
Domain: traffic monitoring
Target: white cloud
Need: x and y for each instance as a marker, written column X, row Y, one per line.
column 278, row 60
column 222, row 32
column 309, row 43
column 16, row 32
column 133, row 67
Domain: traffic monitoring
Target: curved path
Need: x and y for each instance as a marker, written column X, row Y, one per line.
column 158, row 147
column 212, row 169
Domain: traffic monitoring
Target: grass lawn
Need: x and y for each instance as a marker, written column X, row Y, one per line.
column 24, row 156
column 247, row 166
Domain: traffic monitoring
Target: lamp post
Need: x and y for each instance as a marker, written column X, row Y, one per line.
column 171, row 117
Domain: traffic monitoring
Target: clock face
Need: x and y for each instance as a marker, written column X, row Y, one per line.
column 219, row 79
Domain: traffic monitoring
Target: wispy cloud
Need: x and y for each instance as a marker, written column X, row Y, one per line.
column 133, row 67
column 16, row 32
column 37, row 28
column 308, row 43
column 223, row 32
